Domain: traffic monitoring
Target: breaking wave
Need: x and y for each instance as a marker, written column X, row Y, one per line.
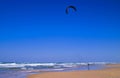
column 45, row 65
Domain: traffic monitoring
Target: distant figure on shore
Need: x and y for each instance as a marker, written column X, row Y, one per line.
column 88, row 66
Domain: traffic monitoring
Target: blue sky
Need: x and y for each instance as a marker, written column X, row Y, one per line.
column 40, row 31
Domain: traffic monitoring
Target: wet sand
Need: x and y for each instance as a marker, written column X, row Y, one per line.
column 111, row 71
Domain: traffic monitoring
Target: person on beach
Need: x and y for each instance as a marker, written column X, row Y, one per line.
column 88, row 66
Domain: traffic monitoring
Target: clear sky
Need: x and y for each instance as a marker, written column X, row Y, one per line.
column 40, row 31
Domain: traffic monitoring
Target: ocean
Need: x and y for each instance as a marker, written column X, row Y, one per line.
column 22, row 70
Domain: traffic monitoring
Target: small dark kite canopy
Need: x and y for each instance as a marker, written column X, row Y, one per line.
column 67, row 9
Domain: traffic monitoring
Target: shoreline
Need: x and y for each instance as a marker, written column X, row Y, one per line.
column 110, row 71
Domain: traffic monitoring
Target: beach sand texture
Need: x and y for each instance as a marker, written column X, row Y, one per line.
column 112, row 71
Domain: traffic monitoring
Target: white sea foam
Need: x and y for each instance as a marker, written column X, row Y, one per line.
column 23, row 65
column 11, row 65
column 54, row 65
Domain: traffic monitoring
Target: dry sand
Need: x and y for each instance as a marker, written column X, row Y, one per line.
column 112, row 71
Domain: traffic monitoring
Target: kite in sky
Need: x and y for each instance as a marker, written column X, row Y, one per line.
column 67, row 9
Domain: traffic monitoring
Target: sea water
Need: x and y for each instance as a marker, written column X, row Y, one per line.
column 22, row 70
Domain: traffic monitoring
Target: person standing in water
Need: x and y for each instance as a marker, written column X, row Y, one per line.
column 88, row 66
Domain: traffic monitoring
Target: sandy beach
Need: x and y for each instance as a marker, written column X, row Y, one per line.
column 111, row 71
